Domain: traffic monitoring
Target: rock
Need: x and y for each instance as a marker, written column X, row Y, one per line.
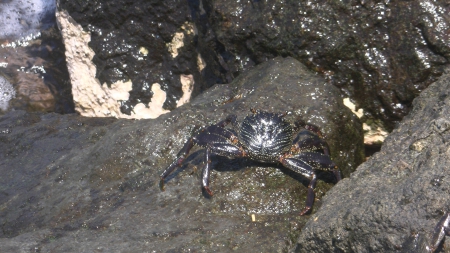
column 22, row 19
column 71, row 183
column 356, row 45
column 403, row 189
column 381, row 54
column 35, row 67
column 7, row 93
column 139, row 50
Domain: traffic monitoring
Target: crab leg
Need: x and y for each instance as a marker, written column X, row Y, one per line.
column 305, row 169
column 207, row 172
column 222, row 149
column 177, row 162
column 215, row 134
column 310, row 127
column 311, row 144
column 300, row 164
column 217, row 140
column 441, row 229
column 321, row 160
column 310, row 195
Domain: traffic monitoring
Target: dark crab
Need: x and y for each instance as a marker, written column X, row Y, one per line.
column 264, row 137
column 420, row 243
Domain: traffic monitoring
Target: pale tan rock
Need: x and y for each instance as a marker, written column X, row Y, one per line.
column 374, row 134
column 359, row 113
column 90, row 97
column 154, row 108
column 177, row 40
column 201, row 64
column 187, row 85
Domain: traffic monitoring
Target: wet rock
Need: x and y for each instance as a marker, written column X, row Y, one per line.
column 22, row 19
column 75, row 184
column 139, row 50
column 35, row 67
column 381, row 54
column 7, row 92
column 402, row 189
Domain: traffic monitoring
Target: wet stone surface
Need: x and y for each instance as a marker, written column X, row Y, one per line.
column 37, row 71
column 131, row 42
column 83, row 184
column 403, row 189
column 379, row 53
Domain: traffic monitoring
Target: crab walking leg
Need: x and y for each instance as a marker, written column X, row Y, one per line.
column 308, row 141
column 321, row 160
column 177, row 162
column 207, row 171
column 215, row 134
column 441, row 229
column 310, row 127
column 337, row 174
column 305, row 169
column 310, row 195
column 223, row 149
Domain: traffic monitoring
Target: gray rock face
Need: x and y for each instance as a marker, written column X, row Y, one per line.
column 73, row 184
column 402, row 189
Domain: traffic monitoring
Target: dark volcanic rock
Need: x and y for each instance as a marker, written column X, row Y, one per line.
column 402, row 189
column 121, row 29
column 73, row 184
column 380, row 53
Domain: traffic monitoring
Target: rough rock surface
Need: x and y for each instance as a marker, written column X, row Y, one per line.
column 404, row 188
column 139, row 43
column 380, row 53
column 75, row 184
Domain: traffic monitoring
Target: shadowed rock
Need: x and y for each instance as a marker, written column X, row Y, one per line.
column 403, row 189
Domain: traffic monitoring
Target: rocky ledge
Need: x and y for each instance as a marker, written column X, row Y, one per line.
column 75, row 184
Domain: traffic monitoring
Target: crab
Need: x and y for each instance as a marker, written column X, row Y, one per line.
column 264, row 137
column 420, row 243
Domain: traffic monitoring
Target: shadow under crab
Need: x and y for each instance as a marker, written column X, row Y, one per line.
column 263, row 137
